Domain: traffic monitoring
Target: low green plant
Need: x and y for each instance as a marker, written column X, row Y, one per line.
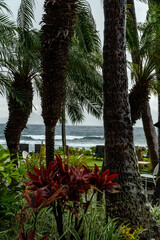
column 96, row 230
column 36, row 160
column 156, row 213
column 11, row 178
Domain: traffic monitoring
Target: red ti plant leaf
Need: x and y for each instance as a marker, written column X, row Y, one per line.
column 31, row 235
column 36, row 199
column 53, row 198
column 103, row 181
column 28, row 198
column 22, row 235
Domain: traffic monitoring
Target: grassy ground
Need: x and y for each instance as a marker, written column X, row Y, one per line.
column 87, row 160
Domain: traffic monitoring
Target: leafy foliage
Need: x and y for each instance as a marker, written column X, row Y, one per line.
column 35, row 160
column 10, row 187
column 61, row 186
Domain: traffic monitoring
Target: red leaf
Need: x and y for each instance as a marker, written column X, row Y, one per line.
column 22, row 235
column 38, row 199
column 106, row 172
column 51, row 199
column 31, row 235
column 32, row 177
column 111, row 177
column 37, row 171
column 28, row 198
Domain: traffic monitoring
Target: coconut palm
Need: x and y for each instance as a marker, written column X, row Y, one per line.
column 142, row 70
column 22, row 63
column 144, row 81
column 84, row 80
column 151, row 36
column 83, row 89
column 130, row 203
column 7, row 30
column 57, row 32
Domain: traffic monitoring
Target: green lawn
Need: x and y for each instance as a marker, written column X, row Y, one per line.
column 88, row 160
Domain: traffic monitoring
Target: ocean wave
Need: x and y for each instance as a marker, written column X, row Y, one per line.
column 59, row 137
column 34, row 137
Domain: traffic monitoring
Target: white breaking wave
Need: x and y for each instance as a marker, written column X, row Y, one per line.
column 36, row 137
column 57, row 137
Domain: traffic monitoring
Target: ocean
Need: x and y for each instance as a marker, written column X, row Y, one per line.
column 77, row 136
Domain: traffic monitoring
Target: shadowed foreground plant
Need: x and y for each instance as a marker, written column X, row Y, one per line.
column 61, row 187
column 108, row 232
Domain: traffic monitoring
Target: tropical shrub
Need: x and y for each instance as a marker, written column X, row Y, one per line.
column 10, row 187
column 36, row 160
column 63, row 187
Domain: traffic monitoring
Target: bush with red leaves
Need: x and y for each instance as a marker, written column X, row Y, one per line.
column 65, row 184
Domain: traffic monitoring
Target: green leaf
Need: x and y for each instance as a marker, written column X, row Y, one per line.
column 74, row 232
column 1, row 168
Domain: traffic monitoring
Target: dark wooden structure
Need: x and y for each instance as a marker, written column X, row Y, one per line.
column 99, row 151
column 37, row 148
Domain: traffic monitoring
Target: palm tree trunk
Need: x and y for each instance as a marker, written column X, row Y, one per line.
column 18, row 114
column 49, row 133
column 57, row 32
column 150, row 134
column 130, row 203
column 156, row 196
column 63, row 129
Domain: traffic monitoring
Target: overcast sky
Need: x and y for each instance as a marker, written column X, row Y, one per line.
column 97, row 10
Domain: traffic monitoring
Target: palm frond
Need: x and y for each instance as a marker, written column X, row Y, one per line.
column 26, row 14
column 84, row 82
column 75, row 112
column 85, row 29
column 144, row 74
column 131, row 33
column 4, row 6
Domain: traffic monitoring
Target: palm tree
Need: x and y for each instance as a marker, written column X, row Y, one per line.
column 84, row 81
column 83, row 90
column 7, row 28
column 144, row 78
column 152, row 31
column 130, row 203
column 22, row 63
column 139, row 94
column 57, row 31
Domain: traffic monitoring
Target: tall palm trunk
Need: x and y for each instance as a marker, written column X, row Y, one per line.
column 156, row 196
column 18, row 114
column 64, row 129
column 150, row 134
column 130, row 203
column 57, row 31
column 139, row 97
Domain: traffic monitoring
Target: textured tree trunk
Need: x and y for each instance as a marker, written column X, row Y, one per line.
column 150, row 133
column 130, row 203
column 63, row 129
column 138, row 96
column 139, row 92
column 18, row 114
column 156, row 196
column 57, row 31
